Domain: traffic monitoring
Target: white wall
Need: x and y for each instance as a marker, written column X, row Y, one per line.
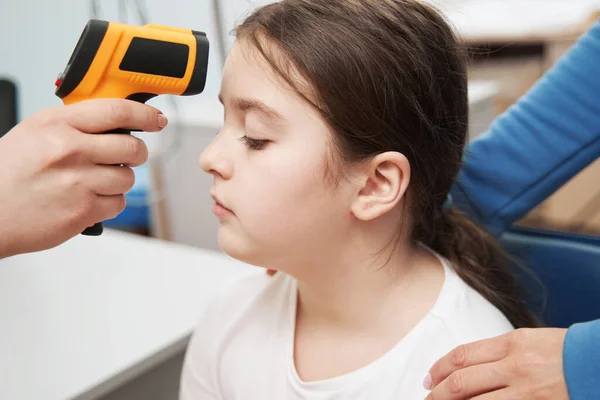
column 36, row 38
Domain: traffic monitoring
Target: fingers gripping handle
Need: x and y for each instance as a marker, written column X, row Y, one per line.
column 98, row 228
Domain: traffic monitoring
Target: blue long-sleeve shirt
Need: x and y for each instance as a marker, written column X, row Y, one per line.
column 537, row 145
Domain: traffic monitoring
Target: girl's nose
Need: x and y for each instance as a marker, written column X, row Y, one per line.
column 214, row 159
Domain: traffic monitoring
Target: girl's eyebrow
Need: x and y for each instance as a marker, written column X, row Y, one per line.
column 249, row 104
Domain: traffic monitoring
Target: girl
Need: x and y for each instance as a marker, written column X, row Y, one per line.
column 345, row 122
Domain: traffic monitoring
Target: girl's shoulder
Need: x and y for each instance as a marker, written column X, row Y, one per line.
column 241, row 312
column 250, row 301
column 252, row 287
column 252, row 296
column 465, row 313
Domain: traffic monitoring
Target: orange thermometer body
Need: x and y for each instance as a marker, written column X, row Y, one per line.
column 113, row 60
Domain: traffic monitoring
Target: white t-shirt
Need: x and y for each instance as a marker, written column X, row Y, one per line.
column 243, row 348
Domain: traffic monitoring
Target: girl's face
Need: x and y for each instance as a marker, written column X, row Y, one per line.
column 268, row 161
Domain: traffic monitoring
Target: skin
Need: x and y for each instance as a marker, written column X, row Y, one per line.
column 523, row 364
column 59, row 175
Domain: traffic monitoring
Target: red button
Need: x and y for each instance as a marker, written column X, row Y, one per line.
column 58, row 82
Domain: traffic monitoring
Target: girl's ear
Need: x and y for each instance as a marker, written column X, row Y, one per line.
column 384, row 180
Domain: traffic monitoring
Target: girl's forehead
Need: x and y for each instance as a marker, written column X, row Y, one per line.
column 246, row 69
column 269, row 63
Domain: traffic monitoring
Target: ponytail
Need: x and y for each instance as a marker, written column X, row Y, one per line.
column 480, row 261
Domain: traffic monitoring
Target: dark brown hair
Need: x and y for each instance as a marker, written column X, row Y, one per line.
column 388, row 75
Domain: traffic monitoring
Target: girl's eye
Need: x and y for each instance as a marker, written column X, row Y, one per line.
column 254, row 144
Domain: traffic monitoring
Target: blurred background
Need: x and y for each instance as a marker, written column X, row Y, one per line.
column 119, row 319
column 512, row 43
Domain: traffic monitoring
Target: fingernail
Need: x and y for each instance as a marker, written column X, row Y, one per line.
column 162, row 121
column 427, row 382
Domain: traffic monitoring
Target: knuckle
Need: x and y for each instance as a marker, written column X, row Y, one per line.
column 64, row 146
column 459, row 356
column 456, row 383
column 506, row 344
column 119, row 112
column 520, row 337
column 75, row 181
column 72, row 182
column 151, row 116
column 61, row 148
column 47, row 117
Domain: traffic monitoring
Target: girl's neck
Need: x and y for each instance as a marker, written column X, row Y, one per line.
column 352, row 312
column 363, row 291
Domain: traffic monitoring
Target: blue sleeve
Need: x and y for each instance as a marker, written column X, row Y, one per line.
column 581, row 355
column 538, row 144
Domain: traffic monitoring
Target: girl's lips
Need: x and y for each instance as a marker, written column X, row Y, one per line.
column 220, row 210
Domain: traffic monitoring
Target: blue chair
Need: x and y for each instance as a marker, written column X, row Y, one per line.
column 566, row 287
